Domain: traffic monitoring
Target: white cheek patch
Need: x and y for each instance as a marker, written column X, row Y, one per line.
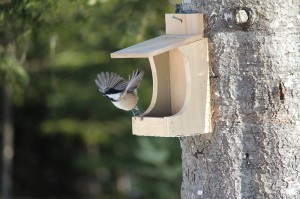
column 115, row 96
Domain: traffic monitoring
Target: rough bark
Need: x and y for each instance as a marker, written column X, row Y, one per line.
column 254, row 149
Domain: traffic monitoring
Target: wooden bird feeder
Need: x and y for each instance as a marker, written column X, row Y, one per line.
column 180, row 104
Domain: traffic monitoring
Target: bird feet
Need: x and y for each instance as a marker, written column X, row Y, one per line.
column 137, row 111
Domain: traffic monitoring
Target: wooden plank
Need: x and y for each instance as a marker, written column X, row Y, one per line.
column 184, row 23
column 194, row 117
column 150, row 126
column 179, row 74
column 155, row 46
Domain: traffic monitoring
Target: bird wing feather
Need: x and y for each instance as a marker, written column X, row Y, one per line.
column 134, row 80
column 106, row 81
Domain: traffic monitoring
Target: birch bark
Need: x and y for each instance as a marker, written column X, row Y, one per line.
column 254, row 149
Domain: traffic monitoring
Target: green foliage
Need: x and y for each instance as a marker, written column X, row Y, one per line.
column 12, row 71
column 81, row 142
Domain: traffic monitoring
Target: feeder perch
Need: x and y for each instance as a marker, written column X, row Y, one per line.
column 180, row 104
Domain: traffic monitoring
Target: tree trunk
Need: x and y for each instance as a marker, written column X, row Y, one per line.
column 7, row 144
column 254, row 149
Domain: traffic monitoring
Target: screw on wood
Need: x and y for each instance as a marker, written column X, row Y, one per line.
column 174, row 17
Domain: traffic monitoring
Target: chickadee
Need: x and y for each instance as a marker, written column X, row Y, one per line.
column 122, row 93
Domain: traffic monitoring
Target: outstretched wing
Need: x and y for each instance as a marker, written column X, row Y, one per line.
column 134, row 80
column 109, row 83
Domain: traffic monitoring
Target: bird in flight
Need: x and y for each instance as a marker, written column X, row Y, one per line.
column 122, row 93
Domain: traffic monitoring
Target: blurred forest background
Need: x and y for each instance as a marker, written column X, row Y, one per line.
column 60, row 138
